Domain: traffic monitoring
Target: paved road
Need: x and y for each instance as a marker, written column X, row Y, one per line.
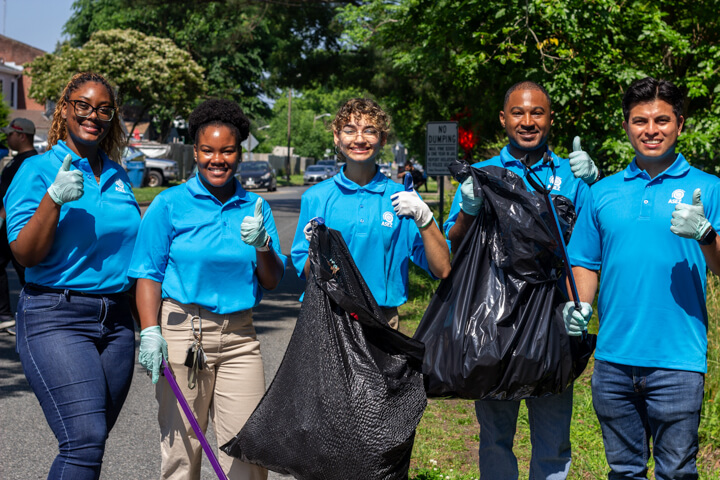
column 27, row 445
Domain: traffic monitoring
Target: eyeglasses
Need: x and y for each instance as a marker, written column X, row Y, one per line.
column 84, row 109
column 368, row 133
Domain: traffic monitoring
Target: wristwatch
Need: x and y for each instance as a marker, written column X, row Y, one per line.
column 708, row 237
column 265, row 247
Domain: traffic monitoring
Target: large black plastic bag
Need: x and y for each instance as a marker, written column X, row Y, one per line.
column 349, row 394
column 494, row 328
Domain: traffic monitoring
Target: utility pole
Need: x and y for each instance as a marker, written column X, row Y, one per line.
column 287, row 162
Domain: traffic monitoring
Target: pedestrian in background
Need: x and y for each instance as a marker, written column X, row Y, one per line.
column 527, row 117
column 71, row 221
column 20, row 134
column 205, row 252
column 383, row 225
column 651, row 229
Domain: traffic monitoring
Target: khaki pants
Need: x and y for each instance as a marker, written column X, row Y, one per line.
column 392, row 316
column 228, row 388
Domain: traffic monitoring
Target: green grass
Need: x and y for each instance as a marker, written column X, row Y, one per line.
column 146, row 194
column 446, row 441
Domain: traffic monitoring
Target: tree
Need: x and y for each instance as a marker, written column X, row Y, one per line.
column 442, row 58
column 248, row 48
column 149, row 71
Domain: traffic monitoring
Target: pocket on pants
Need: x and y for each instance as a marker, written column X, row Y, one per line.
column 42, row 303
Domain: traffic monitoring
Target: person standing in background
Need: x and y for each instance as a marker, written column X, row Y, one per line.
column 20, row 134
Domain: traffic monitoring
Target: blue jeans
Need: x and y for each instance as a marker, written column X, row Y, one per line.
column 78, row 354
column 549, row 419
column 634, row 404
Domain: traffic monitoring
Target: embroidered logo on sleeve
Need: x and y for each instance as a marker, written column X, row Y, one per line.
column 677, row 196
column 388, row 219
column 119, row 186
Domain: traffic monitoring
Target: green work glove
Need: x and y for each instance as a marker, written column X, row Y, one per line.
column 68, row 184
column 153, row 348
column 689, row 221
column 252, row 230
column 470, row 204
column 576, row 321
column 581, row 164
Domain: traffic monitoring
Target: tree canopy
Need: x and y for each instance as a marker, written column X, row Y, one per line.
column 149, row 71
column 443, row 59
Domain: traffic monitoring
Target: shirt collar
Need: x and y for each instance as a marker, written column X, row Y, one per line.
column 678, row 168
column 508, row 160
column 377, row 184
column 60, row 149
column 198, row 189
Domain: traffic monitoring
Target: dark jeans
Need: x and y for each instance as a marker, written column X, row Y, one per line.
column 6, row 257
column 634, row 404
column 78, row 354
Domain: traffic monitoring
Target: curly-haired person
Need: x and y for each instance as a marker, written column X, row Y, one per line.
column 383, row 225
column 72, row 219
column 203, row 251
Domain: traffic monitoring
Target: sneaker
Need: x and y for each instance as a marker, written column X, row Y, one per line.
column 7, row 323
column 9, row 331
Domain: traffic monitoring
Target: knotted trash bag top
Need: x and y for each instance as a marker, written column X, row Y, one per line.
column 349, row 392
column 494, row 328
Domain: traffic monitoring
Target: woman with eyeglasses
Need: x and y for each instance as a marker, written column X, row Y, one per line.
column 72, row 219
column 383, row 225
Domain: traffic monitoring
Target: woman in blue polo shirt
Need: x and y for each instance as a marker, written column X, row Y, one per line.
column 203, row 251
column 383, row 225
column 72, row 220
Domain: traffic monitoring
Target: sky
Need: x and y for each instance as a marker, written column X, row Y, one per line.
column 38, row 23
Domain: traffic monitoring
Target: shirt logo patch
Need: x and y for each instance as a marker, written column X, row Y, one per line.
column 555, row 182
column 388, row 219
column 119, row 186
column 677, row 196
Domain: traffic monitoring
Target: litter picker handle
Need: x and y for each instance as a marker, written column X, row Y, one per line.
column 193, row 421
column 408, row 182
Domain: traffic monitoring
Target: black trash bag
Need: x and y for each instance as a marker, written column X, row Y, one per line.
column 494, row 328
column 349, row 392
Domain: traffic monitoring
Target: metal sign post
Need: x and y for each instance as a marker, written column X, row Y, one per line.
column 441, row 149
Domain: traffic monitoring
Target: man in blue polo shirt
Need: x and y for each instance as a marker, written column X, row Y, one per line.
column 650, row 229
column 527, row 118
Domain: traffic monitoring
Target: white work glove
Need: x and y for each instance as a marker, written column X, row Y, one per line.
column 470, row 204
column 410, row 204
column 252, row 230
column 68, row 184
column 308, row 229
column 581, row 164
column 576, row 321
column 153, row 348
column 689, row 221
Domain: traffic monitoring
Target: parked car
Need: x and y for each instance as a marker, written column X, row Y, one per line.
column 385, row 169
column 329, row 163
column 317, row 173
column 159, row 171
column 257, row 174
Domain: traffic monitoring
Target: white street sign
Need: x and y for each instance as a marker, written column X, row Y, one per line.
column 442, row 147
column 250, row 143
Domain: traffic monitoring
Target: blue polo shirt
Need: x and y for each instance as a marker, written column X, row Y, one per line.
column 563, row 182
column 95, row 234
column 190, row 243
column 652, row 287
column 380, row 243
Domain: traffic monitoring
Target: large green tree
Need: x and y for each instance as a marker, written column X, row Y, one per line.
column 248, row 48
column 439, row 59
column 150, row 72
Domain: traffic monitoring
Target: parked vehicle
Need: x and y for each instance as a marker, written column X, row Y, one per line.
column 159, row 171
column 385, row 169
column 257, row 174
column 329, row 163
column 317, row 173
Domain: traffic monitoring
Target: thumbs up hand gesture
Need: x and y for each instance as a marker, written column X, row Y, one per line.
column 689, row 221
column 252, row 230
column 68, row 184
column 581, row 164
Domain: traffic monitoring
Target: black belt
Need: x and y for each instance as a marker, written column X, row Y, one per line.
column 68, row 292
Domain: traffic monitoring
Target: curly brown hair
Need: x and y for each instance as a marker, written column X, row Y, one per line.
column 114, row 141
column 356, row 108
